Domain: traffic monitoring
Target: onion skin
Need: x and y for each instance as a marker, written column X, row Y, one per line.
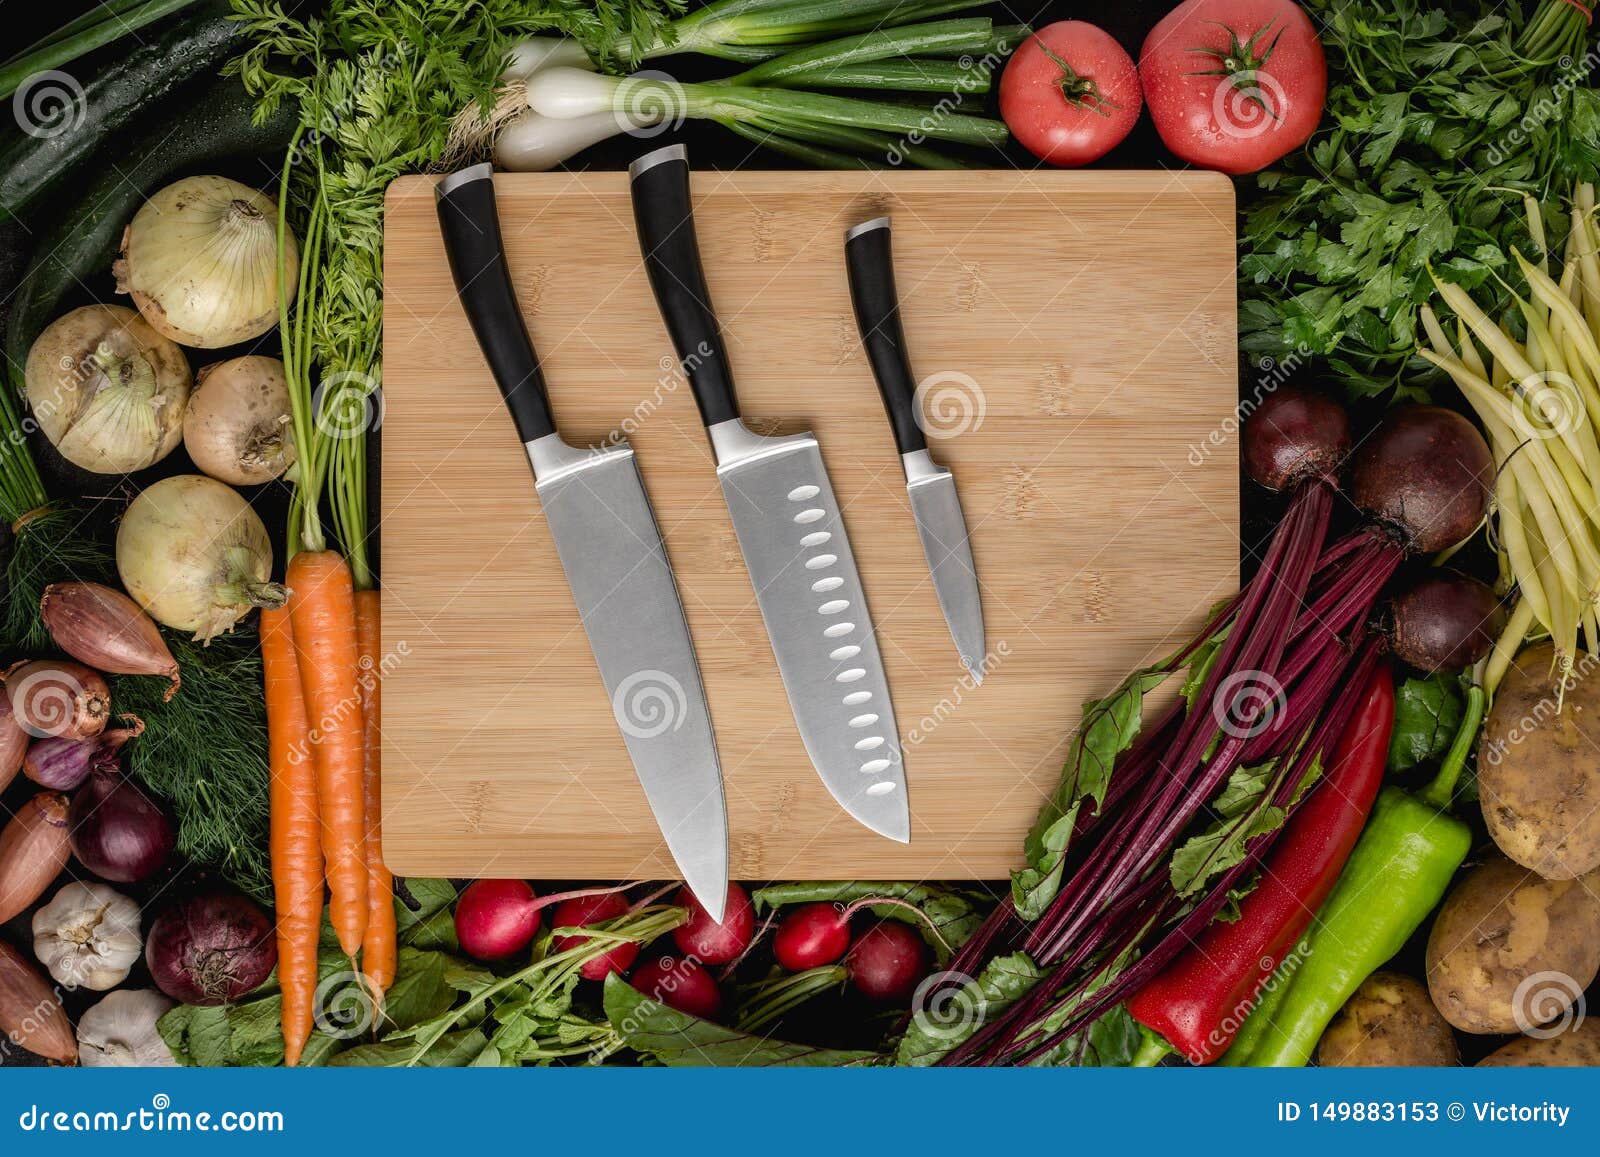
column 63, row 764
column 117, row 831
column 193, row 554
column 30, row 1011
column 13, row 743
column 1425, row 473
column 34, row 848
column 1445, row 622
column 238, row 425
column 58, row 697
column 107, row 630
column 211, row 948
column 1295, row 435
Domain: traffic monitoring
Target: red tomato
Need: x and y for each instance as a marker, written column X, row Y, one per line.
column 1234, row 84
column 1070, row 94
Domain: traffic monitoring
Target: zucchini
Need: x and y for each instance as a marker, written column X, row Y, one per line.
column 145, row 74
column 77, row 249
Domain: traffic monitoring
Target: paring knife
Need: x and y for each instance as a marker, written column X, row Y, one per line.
column 611, row 550
column 932, row 488
column 789, row 528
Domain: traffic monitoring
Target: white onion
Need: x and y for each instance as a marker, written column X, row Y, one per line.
column 237, row 428
column 533, row 143
column 107, row 390
column 192, row 553
column 201, row 262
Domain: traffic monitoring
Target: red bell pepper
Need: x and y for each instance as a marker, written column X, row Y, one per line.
column 1198, row 1003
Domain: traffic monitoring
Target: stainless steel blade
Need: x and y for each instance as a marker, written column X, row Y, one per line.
column 794, row 545
column 617, row 567
column 943, row 531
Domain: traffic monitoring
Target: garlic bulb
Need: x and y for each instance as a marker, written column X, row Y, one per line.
column 107, row 389
column 121, row 1031
column 87, row 936
column 200, row 260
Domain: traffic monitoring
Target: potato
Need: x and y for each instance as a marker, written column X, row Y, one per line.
column 1575, row 1048
column 1539, row 769
column 1511, row 950
column 1389, row 1021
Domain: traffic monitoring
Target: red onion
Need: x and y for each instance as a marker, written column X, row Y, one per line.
column 58, row 697
column 61, row 763
column 107, row 630
column 211, row 949
column 118, row 832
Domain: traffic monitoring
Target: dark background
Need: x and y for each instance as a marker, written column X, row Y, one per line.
column 712, row 147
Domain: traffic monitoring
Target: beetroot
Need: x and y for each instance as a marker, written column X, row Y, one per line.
column 585, row 910
column 810, row 936
column 706, row 940
column 887, row 961
column 679, row 983
column 1295, row 435
column 1425, row 473
column 1445, row 622
column 496, row 918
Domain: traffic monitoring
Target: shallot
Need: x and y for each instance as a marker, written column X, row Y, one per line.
column 107, row 630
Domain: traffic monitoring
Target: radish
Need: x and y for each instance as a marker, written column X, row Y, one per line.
column 679, row 983
column 498, row 918
column 887, row 961
column 709, row 942
column 812, row 935
column 587, row 910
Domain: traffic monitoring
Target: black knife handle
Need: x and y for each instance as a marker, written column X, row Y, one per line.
column 664, row 218
column 870, row 262
column 470, row 223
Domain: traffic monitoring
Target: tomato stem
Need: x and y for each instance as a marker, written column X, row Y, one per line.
column 1080, row 91
column 1240, row 64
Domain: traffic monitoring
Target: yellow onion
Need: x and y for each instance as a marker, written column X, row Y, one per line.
column 237, row 428
column 200, row 260
column 107, row 389
column 192, row 553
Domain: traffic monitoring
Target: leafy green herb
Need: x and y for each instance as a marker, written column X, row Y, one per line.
column 677, row 1039
column 951, row 913
column 1427, row 713
column 1108, row 728
column 1438, row 119
column 957, row 1016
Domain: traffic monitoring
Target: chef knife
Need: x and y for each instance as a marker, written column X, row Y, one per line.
column 932, row 489
column 789, row 527
column 611, row 550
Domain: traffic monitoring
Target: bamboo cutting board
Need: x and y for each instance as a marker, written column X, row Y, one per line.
column 1075, row 333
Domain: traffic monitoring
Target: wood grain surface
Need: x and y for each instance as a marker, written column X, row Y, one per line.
column 1076, row 335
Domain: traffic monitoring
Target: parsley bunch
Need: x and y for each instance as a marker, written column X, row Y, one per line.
column 1439, row 120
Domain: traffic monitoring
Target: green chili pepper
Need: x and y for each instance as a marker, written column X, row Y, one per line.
column 1396, row 875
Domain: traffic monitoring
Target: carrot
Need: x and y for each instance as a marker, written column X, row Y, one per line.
column 378, row 948
column 295, row 841
column 322, row 607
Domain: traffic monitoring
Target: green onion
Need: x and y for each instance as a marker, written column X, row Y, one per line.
column 111, row 21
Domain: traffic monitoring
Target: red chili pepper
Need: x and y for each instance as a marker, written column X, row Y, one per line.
column 1201, row 999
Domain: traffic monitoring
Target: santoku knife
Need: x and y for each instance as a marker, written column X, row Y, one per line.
column 932, row 488
column 611, row 550
column 789, row 528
